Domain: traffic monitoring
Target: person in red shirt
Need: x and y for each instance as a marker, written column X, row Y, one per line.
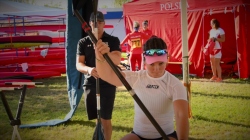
column 146, row 31
column 135, row 41
column 145, row 28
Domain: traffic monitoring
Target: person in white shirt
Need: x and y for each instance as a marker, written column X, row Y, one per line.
column 217, row 34
column 161, row 92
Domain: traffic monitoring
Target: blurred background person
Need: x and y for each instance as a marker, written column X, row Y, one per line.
column 145, row 29
column 216, row 34
column 135, row 41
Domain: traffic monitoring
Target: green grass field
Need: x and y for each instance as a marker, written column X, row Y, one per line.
column 220, row 111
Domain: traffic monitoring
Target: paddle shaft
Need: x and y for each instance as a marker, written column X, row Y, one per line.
column 95, row 4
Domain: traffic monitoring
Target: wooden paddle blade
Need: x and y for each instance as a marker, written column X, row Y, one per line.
column 98, row 134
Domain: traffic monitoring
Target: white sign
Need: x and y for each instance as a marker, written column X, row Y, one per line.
column 171, row 6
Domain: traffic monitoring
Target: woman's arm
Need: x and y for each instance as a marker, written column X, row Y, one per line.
column 115, row 57
column 125, row 40
column 208, row 37
column 104, row 70
column 221, row 39
column 181, row 118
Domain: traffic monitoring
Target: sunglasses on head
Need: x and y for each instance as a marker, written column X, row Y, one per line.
column 158, row 52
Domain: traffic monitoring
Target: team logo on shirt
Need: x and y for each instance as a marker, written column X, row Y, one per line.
column 152, row 86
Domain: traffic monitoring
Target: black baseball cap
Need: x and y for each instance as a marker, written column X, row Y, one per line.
column 100, row 16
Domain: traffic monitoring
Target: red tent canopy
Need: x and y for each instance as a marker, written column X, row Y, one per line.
column 165, row 21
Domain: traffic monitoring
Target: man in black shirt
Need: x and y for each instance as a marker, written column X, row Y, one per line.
column 85, row 63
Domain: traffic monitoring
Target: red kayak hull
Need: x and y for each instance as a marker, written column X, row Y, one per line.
column 24, row 41
column 26, row 59
column 35, row 75
column 29, row 52
column 35, row 67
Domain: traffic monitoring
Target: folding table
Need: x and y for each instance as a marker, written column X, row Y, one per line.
column 15, row 122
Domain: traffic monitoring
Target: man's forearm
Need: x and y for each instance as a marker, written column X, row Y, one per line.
column 83, row 68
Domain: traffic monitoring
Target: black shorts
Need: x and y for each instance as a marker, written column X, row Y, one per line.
column 173, row 135
column 107, row 98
